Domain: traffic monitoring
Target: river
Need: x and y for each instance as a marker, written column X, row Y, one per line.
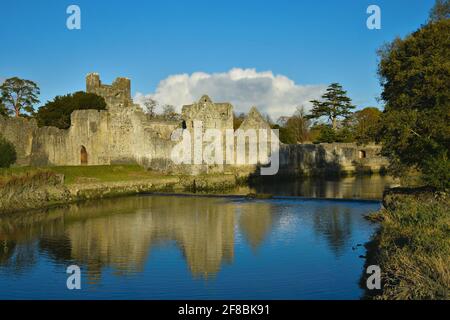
column 194, row 247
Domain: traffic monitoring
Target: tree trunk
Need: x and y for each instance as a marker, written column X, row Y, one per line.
column 17, row 110
column 334, row 123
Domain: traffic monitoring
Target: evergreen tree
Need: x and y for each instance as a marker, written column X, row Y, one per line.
column 3, row 110
column 19, row 95
column 440, row 11
column 57, row 113
column 334, row 105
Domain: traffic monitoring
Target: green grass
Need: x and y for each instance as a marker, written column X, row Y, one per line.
column 413, row 247
column 83, row 174
column 89, row 174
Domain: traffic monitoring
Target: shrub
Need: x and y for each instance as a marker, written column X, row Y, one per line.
column 436, row 172
column 7, row 153
column 412, row 246
column 326, row 134
column 57, row 113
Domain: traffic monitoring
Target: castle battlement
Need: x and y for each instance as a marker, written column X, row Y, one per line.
column 118, row 94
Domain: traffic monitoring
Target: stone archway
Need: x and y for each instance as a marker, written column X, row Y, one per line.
column 83, row 156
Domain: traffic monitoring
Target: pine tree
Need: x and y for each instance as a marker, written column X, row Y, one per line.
column 333, row 105
column 19, row 94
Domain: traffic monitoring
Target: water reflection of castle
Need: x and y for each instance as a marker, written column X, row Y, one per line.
column 120, row 233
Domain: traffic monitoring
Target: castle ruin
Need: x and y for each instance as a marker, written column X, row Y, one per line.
column 124, row 134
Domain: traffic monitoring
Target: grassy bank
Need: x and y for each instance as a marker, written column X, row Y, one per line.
column 29, row 188
column 88, row 174
column 412, row 246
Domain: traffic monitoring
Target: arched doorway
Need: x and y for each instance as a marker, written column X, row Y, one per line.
column 362, row 154
column 83, row 156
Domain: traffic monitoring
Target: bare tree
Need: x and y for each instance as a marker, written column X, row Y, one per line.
column 149, row 106
column 169, row 113
column 298, row 125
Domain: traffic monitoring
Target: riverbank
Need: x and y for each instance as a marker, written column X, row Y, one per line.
column 30, row 188
column 412, row 246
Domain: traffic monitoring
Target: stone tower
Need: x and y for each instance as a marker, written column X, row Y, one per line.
column 116, row 95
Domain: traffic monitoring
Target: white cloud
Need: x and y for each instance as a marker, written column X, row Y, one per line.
column 276, row 95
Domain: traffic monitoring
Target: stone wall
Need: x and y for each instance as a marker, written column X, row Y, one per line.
column 20, row 132
column 120, row 134
column 118, row 94
column 330, row 158
column 212, row 115
column 124, row 134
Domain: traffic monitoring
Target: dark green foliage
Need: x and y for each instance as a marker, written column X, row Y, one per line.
column 285, row 135
column 344, row 135
column 57, row 113
column 18, row 95
column 366, row 125
column 415, row 76
column 7, row 153
column 436, row 172
column 3, row 110
column 334, row 105
column 440, row 11
column 326, row 134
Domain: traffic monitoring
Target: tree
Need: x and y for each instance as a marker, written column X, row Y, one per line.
column 415, row 77
column 366, row 124
column 284, row 135
column 3, row 110
column 169, row 113
column 334, row 105
column 150, row 106
column 440, row 11
column 268, row 119
column 7, row 153
column 323, row 133
column 19, row 95
column 57, row 113
column 298, row 126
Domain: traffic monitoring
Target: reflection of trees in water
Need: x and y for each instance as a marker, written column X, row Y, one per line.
column 335, row 224
column 256, row 221
column 367, row 187
column 119, row 233
column 58, row 247
column 6, row 250
column 17, row 258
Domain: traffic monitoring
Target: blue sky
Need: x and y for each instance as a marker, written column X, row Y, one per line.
column 309, row 42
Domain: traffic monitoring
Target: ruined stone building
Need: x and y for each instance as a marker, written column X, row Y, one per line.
column 124, row 134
